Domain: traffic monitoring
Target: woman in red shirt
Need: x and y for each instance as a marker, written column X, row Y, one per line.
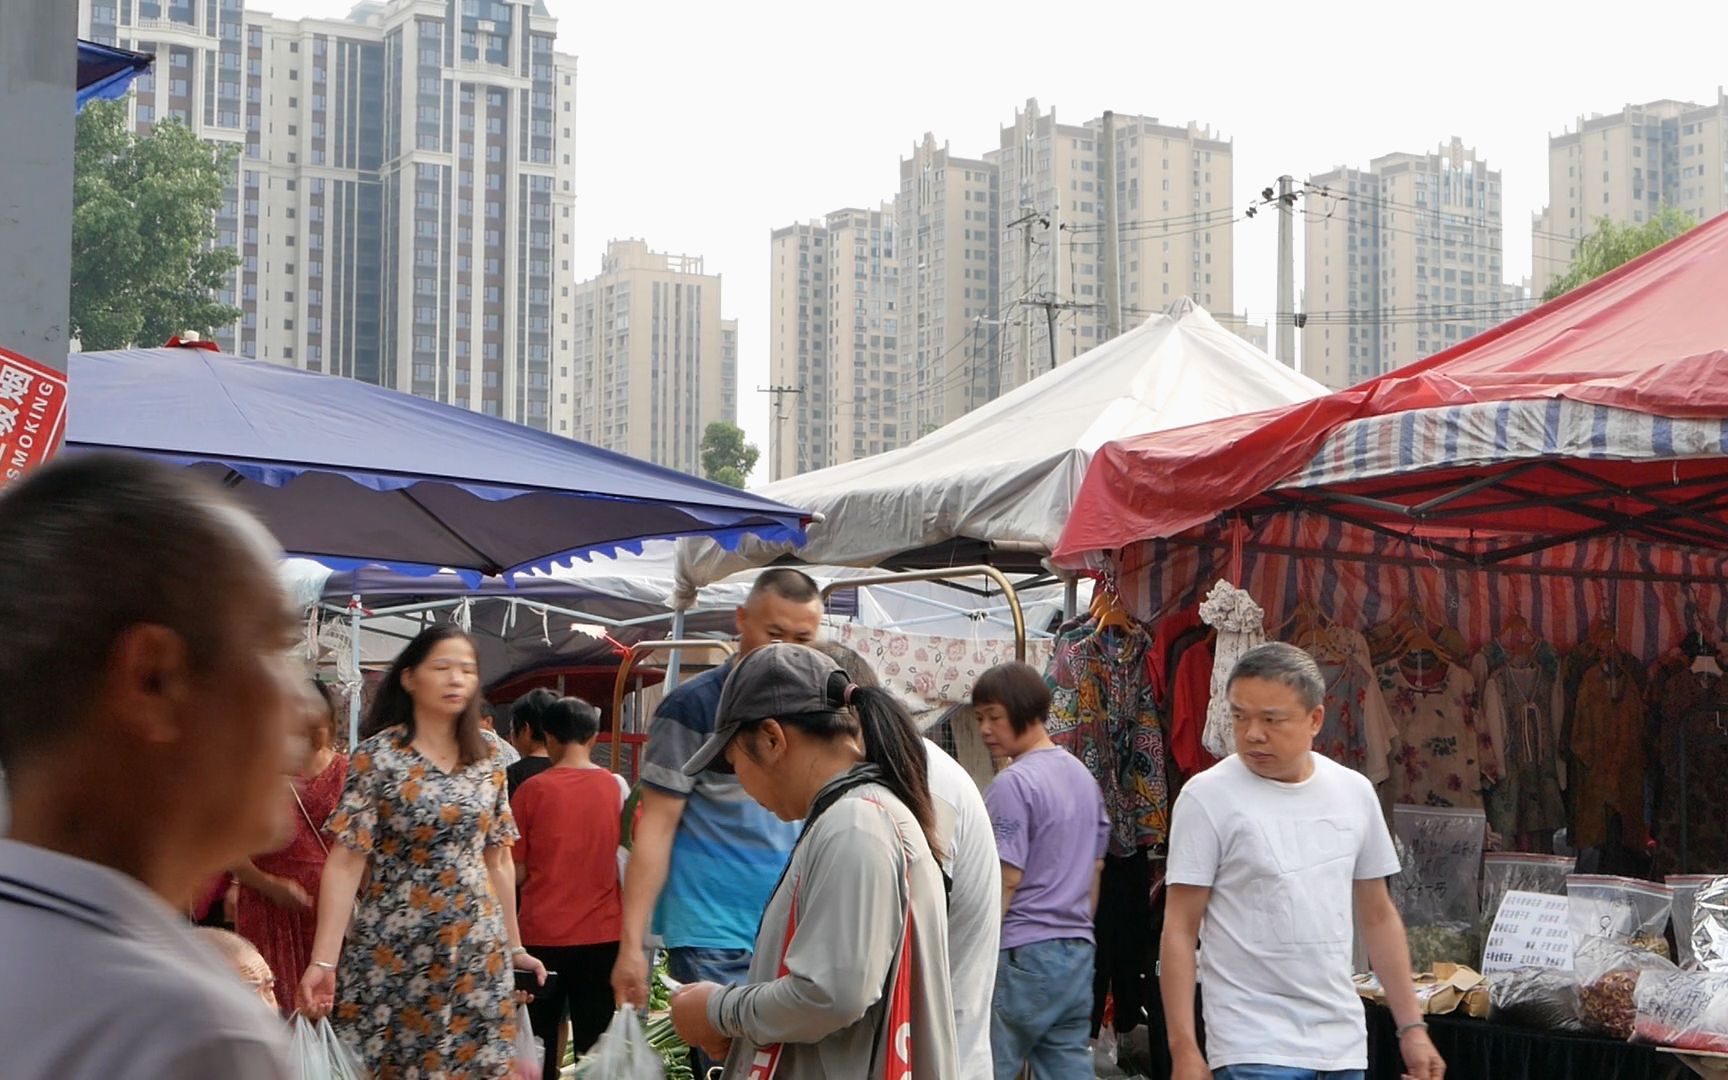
column 567, row 876
column 278, row 891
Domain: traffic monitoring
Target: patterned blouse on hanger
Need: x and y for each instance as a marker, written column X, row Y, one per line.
column 1358, row 729
column 1444, row 758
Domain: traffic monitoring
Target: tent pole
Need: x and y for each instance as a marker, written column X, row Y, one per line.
column 672, row 663
column 354, row 612
column 1070, row 597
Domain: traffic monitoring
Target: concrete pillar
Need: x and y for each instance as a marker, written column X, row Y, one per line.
column 38, row 110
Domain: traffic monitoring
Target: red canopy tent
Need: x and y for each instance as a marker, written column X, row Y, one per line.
column 1603, row 413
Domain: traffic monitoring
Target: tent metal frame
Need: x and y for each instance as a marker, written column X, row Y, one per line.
column 1665, row 517
column 621, row 686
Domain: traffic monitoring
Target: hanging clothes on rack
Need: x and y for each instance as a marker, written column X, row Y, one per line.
column 1103, row 712
column 1241, row 625
column 1181, row 664
column 1444, row 757
column 1522, row 705
column 1689, row 698
column 1358, row 730
column 1608, row 718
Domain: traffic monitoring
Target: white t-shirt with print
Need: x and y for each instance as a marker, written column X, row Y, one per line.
column 1275, row 945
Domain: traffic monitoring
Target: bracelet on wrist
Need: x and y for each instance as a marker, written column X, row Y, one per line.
column 519, row 950
column 1405, row 1029
column 322, row 964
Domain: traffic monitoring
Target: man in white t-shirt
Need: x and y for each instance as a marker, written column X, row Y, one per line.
column 1270, row 850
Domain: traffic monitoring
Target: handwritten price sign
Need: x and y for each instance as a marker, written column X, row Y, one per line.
column 1530, row 930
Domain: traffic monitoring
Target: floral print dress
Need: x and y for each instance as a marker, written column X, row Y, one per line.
column 425, row 985
column 1445, row 758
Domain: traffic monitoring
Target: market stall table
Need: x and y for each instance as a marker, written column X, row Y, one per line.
column 1481, row 1050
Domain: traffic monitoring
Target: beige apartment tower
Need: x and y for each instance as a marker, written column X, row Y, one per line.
column 402, row 203
column 1402, row 259
column 944, row 223
column 1174, row 222
column 654, row 362
column 833, row 339
column 1626, row 167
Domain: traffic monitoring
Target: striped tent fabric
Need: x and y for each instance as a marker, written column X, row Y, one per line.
column 1652, row 594
column 1496, row 432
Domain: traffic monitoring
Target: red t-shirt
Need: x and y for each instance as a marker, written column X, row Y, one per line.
column 569, row 845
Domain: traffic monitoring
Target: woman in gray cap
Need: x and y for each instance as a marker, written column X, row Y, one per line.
column 850, row 975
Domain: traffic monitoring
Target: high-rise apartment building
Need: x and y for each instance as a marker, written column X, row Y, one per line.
column 403, row 196
column 833, row 338
column 1402, row 260
column 654, row 362
column 1626, row 167
column 887, row 324
column 1174, row 225
column 945, row 234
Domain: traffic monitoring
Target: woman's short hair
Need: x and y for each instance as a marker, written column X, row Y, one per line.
column 1018, row 689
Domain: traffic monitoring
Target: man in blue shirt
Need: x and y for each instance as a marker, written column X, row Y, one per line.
column 702, row 849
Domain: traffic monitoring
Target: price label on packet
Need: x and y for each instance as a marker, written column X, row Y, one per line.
column 1530, row 930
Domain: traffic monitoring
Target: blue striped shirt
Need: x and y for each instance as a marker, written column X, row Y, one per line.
column 728, row 851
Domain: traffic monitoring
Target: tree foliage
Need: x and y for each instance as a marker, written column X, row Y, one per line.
column 144, row 207
column 1612, row 244
column 726, row 457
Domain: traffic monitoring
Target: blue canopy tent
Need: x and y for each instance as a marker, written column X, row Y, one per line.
column 104, row 72
column 351, row 474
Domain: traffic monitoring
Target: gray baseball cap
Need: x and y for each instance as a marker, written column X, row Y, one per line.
column 774, row 681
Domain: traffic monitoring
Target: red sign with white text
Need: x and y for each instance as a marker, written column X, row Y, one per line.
column 32, row 414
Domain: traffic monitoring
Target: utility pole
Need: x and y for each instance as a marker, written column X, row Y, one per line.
column 1054, row 225
column 1051, row 306
column 1024, row 224
column 780, row 416
column 1286, row 317
column 38, row 113
column 1112, row 237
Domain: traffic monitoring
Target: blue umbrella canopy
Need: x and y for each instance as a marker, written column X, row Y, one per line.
column 353, row 474
column 105, row 72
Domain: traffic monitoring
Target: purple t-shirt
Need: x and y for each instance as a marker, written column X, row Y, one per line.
column 1051, row 825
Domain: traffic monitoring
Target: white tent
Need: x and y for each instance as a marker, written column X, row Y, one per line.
column 1008, row 473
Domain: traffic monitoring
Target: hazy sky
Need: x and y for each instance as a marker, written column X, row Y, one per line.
column 701, row 126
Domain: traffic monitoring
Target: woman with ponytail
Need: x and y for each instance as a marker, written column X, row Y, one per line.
column 850, row 974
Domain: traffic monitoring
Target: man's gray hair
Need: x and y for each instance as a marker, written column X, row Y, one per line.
column 1281, row 663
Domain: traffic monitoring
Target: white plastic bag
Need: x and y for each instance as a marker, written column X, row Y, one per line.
column 622, row 1053
column 317, row 1054
column 530, row 1052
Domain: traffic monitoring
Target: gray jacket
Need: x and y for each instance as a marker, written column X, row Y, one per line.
column 848, row 878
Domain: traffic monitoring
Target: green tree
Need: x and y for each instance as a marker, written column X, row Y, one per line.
column 726, row 457
column 1612, row 244
column 143, row 219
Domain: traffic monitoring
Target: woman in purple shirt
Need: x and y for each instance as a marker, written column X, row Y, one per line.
column 1051, row 832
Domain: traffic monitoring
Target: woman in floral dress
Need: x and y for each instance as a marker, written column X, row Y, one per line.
column 422, row 988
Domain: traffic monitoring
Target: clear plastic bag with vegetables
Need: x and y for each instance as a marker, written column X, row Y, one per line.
column 1437, row 889
column 623, row 1052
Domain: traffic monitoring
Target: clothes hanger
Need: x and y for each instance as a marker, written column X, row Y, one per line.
column 1517, row 637
column 1108, row 609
